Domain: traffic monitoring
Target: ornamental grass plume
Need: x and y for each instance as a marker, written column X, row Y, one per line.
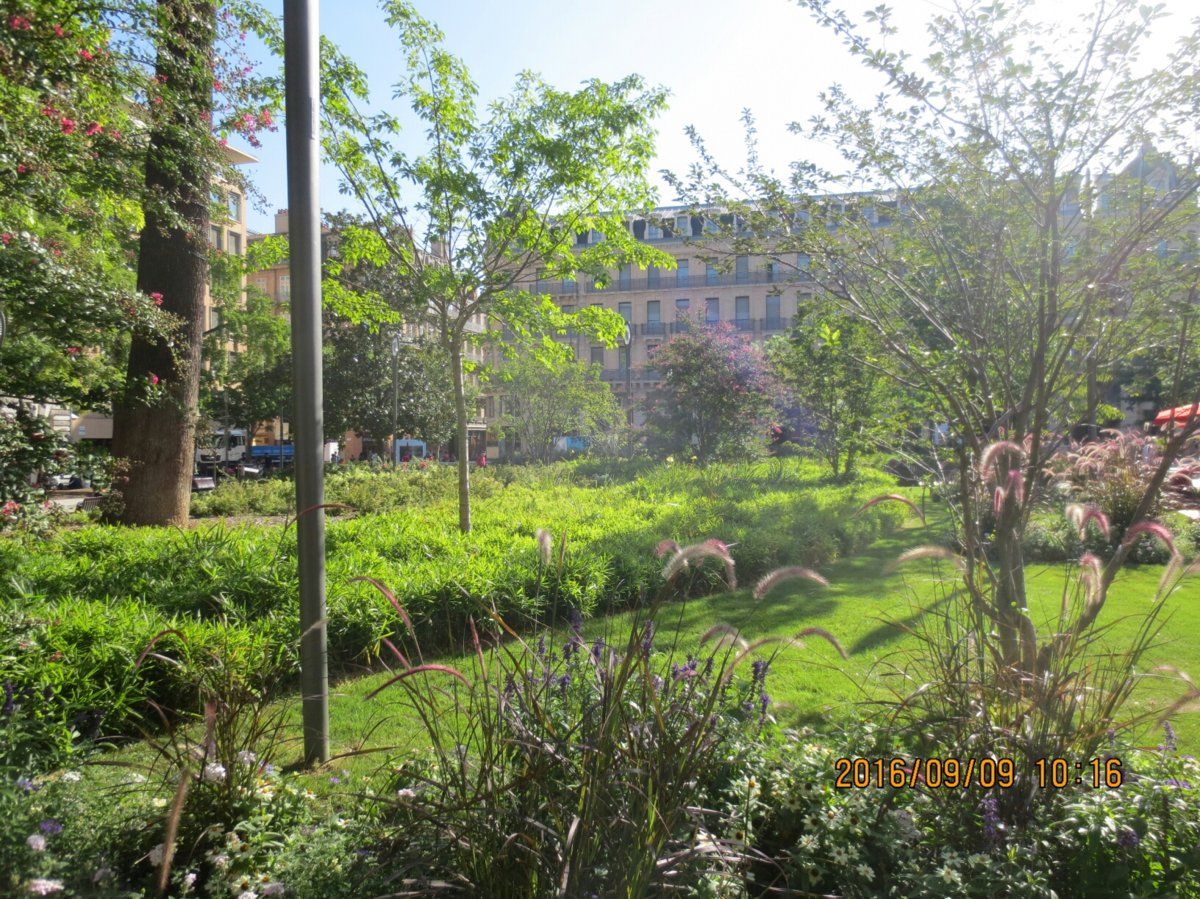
column 1155, row 530
column 891, row 497
column 1079, row 514
column 991, row 456
column 709, row 549
column 779, row 575
column 545, row 545
column 917, row 553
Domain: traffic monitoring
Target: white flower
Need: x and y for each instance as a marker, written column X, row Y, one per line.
column 839, row 855
column 189, row 880
column 246, row 757
column 156, row 854
column 214, row 772
column 865, row 872
column 274, row 888
column 70, row 777
column 158, row 802
column 949, row 875
column 248, row 894
column 809, row 843
column 42, row 887
column 220, row 862
column 406, row 793
column 36, row 842
column 812, row 822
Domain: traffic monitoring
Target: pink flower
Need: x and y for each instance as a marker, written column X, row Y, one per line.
column 67, row 125
column 19, row 23
column 5, row 238
column 265, row 119
column 22, row 168
column 218, row 84
column 49, row 110
column 59, row 32
column 72, row 351
column 94, row 128
column 157, row 297
column 153, row 378
column 10, row 508
column 87, row 54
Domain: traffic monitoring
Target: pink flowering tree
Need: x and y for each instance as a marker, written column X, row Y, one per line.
column 716, row 397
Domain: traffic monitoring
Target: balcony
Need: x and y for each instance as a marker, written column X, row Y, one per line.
column 669, row 281
column 619, row 376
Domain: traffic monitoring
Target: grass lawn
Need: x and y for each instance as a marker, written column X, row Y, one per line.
column 813, row 685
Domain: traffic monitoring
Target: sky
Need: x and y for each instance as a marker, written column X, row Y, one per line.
column 716, row 58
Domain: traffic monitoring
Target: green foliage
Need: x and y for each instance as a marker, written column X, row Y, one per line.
column 545, row 399
column 829, row 362
column 99, row 595
column 29, row 447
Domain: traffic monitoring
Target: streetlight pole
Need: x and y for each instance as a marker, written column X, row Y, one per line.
column 395, row 394
column 302, row 99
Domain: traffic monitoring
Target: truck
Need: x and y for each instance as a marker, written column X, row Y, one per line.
column 224, row 445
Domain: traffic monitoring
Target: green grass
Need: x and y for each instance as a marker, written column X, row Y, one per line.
column 864, row 607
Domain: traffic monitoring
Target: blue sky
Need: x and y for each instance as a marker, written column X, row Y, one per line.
column 716, row 57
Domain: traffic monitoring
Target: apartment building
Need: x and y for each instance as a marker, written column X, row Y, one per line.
column 756, row 295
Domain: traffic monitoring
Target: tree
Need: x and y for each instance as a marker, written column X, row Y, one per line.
column 69, row 198
column 493, row 201
column 545, row 399
column 716, row 394
column 1006, row 227
column 828, row 362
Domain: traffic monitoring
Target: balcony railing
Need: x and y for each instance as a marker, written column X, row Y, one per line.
column 619, row 376
column 660, row 329
column 669, row 281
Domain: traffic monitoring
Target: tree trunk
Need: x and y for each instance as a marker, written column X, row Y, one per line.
column 461, row 442
column 154, row 420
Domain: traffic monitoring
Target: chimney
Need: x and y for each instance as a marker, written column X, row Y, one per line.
column 281, row 221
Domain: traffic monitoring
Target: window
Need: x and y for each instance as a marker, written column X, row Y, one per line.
column 568, row 308
column 285, row 287
column 626, row 311
column 773, row 312
column 772, row 271
column 625, row 277
column 262, row 284
column 581, row 239
column 653, row 232
column 234, row 206
column 214, row 318
column 741, row 309
column 652, row 277
column 710, row 274
column 623, row 358
column 651, row 349
column 597, row 355
column 681, row 308
column 235, row 243
column 214, row 236
column 683, row 225
column 681, row 272
column 742, row 269
column 712, row 310
column 654, row 317
column 802, row 263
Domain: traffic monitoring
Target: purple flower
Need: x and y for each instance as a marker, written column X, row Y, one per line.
column 1170, row 743
column 50, row 827
column 648, row 639
column 759, row 668
column 563, row 683
column 541, row 647
column 1128, row 838
column 1178, row 784
column 28, row 785
column 597, row 649
column 10, row 704
column 571, row 647
column 576, row 619
column 992, row 826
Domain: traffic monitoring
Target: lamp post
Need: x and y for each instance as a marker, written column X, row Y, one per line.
column 395, row 395
column 302, row 106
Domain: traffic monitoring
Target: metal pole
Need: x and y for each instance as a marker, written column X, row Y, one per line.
column 302, row 98
column 395, row 394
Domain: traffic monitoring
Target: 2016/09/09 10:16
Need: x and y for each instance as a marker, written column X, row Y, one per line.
column 986, row 773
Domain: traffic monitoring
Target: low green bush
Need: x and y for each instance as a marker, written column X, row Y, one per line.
column 98, row 595
column 1049, row 537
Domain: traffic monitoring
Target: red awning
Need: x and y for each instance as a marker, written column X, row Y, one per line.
column 1180, row 415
